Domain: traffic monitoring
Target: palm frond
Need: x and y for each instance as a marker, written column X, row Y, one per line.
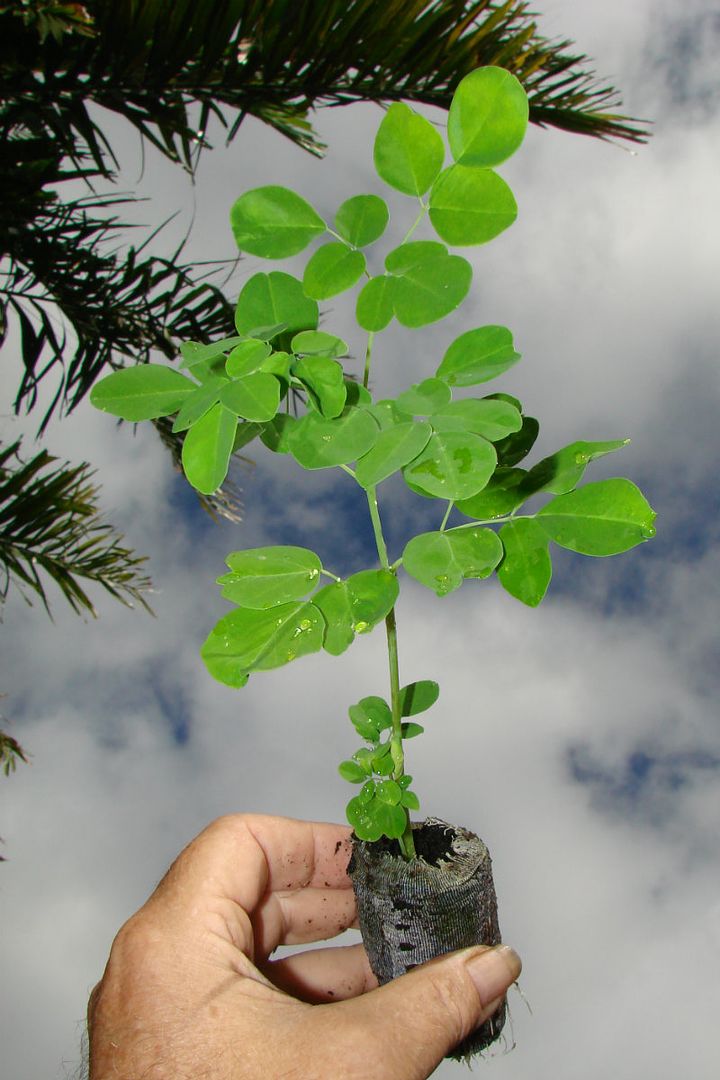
column 51, row 528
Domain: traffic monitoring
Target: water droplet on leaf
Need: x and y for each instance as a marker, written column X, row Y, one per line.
column 361, row 627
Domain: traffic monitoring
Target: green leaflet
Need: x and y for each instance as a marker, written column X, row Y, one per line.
column 561, row 471
column 362, row 219
column 197, row 404
column 395, row 447
column 430, row 290
column 453, row 465
column 274, row 299
column 526, row 568
column 318, row 443
column 441, row 560
column 318, row 343
column 267, row 576
column 276, row 434
column 515, row 447
column 470, row 206
column 604, row 518
column 375, row 304
column 143, row 392
column 413, row 253
column 247, row 357
column 424, row 398
column 207, row 448
column 499, row 497
column 247, row 640
column 324, row 380
column 478, row 356
column 488, row 117
column 256, row 397
column 355, row 606
column 417, row 697
column 491, row 419
column 194, row 352
column 408, row 151
column 332, row 269
column 274, row 222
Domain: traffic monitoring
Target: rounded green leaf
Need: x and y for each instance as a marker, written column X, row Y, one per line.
column 387, row 414
column 478, row 356
column 357, row 394
column 500, row 497
column 324, row 381
column 430, row 290
column 526, row 568
column 410, row 800
column 207, row 448
column 417, row 697
column 351, row 771
column 247, row 357
column 266, row 576
column 411, row 731
column 453, row 465
column 274, row 222
column 395, row 447
column 363, row 820
column 374, row 710
column 249, row 639
column 278, row 364
column 318, row 343
column 488, row 117
column 256, row 397
column 276, row 434
column 604, row 518
column 413, row 253
column 318, row 443
column 408, row 151
column 374, row 309
column 430, row 560
column 274, row 299
column 334, row 603
column 471, row 206
column 362, row 219
column 392, row 819
column 245, row 433
column 332, row 269
column 198, row 403
column 195, row 352
column 143, row 392
column 388, row 792
column 424, row 398
column 476, row 551
column 491, row 419
column 560, row 472
column 372, row 595
column 367, row 791
column 515, row 447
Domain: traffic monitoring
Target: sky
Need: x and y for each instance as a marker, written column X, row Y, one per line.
column 580, row 740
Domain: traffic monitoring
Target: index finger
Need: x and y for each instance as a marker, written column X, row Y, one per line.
column 242, row 857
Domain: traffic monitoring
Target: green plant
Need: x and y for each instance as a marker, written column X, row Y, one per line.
column 464, row 451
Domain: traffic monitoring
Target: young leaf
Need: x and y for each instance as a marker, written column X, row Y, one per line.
column 198, row 403
column 274, row 299
column 247, row 357
column 388, row 792
column 334, row 603
column 500, row 497
column 364, row 822
column 332, row 269
column 488, row 117
column 424, row 398
column 410, row 800
column 561, row 472
column 325, row 382
column 411, row 731
column 194, row 352
column 478, row 356
column 367, row 791
column 429, row 558
column 248, row 639
column 373, row 710
column 470, row 206
column 362, row 219
column 351, row 771
column 372, row 595
column 526, row 568
column 267, row 576
column 392, row 819
column 276, row 434
column 453, row 465
column 207, row 448
column 395, row 447
column 318, row 343
column 142, row 392
column 375, row 309
column 256, row 397
column 278, row 364
column 410, row 254
column 515, row 447
column 408, row 151
column 274, row 222
column 417, row 697
column 491, row 419
column 317, row 443
column 604, row 518
column 430, row 290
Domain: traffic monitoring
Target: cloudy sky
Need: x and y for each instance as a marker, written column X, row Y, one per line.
column 580, row 739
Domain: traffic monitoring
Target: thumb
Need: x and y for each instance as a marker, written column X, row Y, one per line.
column 420, row 1017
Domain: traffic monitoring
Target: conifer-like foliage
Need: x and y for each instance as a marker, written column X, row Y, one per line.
column 463, row 449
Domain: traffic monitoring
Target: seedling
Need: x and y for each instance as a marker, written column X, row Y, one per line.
column 282, row 380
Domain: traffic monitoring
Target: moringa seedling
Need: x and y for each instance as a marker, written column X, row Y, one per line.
column 282, row 380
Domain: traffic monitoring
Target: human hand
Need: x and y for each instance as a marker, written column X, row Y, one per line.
column 189, row 990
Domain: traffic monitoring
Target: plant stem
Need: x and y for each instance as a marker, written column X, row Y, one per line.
column 368, row 354
column 407, row 844
column 447, row 515
column 416, row 222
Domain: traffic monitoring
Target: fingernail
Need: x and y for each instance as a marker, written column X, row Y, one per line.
column 493, row 971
